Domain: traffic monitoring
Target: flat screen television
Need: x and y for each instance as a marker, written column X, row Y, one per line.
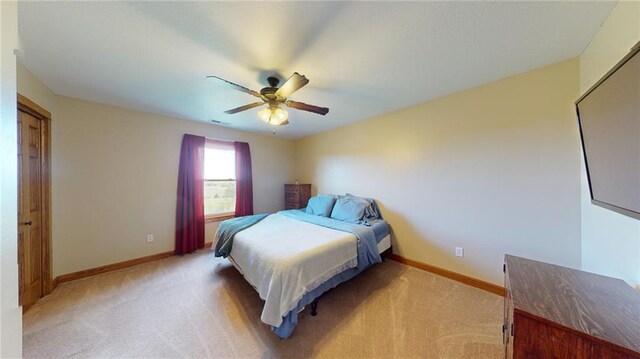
column 609, row 119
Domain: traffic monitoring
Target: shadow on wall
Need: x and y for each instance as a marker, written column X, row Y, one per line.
column 397, row 224
column 401, row 231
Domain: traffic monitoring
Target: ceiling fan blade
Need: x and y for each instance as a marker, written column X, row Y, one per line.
column 304, row 107
column 244, row 108
column 293, row 84
column 235, row 86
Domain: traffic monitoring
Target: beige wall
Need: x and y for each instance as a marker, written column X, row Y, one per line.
column 493, row 169
column 31, row 87
column 115, row 177
column 115, row 180
column 10, row 312
column 610, row 241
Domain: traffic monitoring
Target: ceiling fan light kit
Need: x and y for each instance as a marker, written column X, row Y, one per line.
column 274, row 116
column 275, row 97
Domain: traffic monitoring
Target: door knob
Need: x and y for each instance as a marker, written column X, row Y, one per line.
column 28, row 223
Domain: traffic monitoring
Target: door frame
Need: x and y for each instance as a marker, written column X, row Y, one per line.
column 30, row 107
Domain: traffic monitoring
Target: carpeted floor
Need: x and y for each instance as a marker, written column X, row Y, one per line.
column 199, row 306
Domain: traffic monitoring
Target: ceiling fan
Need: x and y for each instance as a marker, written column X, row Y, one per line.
column 275, row 97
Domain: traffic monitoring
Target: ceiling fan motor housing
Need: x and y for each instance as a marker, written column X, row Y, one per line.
column 270, row 92
column 273, row 81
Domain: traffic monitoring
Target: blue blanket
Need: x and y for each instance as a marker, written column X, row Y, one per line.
column 228, row 230
column 367, row 256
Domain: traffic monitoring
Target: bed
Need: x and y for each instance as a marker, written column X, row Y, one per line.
column 292, row 257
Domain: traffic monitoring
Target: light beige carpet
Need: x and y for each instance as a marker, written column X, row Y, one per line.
column 198, row 306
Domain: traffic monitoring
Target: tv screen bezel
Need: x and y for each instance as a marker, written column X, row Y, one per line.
column 635, row 50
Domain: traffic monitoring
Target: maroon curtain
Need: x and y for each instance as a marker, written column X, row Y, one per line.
column 190, row 206
column 244, row 183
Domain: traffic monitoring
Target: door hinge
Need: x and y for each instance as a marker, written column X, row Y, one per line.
column 504, row 268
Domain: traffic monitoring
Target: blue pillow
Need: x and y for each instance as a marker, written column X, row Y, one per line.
column 371, row 211
column 320, row 205
column 349, row 209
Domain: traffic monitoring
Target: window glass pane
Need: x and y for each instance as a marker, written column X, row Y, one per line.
column 219, row 181
column 219, row 196
column 219, row 164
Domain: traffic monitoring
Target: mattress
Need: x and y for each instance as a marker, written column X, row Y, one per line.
column 285, row 258
column 271, row 253
column 384, row 244
column 380, row 229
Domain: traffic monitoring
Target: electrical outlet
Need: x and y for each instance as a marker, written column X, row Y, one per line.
column 149, row 238
column 459, row 252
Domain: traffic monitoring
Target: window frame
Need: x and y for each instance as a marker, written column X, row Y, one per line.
column 219, row 145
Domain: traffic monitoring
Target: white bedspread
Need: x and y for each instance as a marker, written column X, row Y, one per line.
column 284, row 258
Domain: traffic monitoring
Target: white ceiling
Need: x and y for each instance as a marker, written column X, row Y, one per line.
column 362, row 58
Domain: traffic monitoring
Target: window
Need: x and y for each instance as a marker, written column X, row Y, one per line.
column 219, row 179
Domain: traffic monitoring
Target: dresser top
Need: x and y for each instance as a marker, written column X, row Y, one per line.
column 587, row 303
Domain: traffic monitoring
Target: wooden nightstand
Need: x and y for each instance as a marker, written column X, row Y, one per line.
column 296, row 195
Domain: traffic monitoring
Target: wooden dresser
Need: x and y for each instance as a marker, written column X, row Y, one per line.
column 296, row 195
column 557, row 312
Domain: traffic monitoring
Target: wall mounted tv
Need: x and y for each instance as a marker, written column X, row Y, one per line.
column 609, row 119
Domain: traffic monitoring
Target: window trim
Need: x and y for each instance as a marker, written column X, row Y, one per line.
column 219, row 217
column 219, row 144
